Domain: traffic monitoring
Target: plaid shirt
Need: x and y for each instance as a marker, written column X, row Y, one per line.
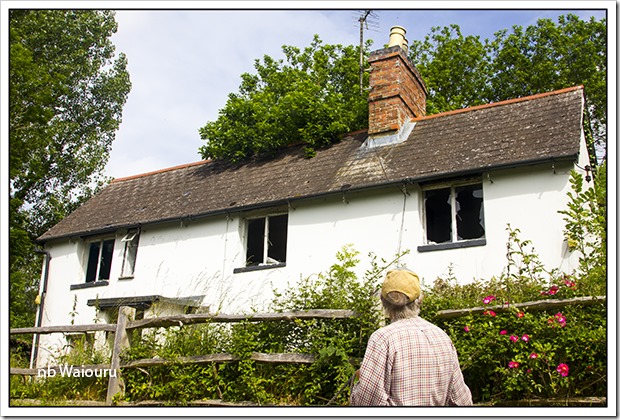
column 410, row 362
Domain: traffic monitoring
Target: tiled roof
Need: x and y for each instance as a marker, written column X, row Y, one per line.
column 538, row 128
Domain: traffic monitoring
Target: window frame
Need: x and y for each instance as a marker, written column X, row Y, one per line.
column 131, row 243
column 101, row 241
column 84, row 284
column 454, row 241
column 265, row 262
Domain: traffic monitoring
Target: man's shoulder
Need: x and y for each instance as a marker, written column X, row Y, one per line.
column 411, row 324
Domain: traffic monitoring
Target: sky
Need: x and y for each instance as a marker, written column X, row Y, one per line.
column 183, row 63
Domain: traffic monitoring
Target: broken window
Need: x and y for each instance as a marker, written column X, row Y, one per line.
column 129, row 253
column 266, row 240
column 454, row 213
column 99, row 260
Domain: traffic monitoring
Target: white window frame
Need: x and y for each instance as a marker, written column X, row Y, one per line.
column 130, row 253
column 266, row 260
column 101, row 242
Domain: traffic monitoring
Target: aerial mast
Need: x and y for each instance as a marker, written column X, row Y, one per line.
column 364, row 20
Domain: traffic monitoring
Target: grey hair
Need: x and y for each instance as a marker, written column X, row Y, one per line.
column 398, row 306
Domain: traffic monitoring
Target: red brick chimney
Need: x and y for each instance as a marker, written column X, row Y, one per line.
column 397, row 91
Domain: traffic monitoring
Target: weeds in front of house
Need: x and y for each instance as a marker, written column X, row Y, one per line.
column 53, row 389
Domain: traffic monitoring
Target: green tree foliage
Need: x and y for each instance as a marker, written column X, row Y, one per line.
column 551, row 55
column 311, row 97
column 66, row 93
column 455, row 68
column 463, row 71
column 586, row 226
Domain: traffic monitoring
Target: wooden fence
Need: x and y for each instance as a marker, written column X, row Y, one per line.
column 125, row 324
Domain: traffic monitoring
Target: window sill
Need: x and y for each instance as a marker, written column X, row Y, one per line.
column 452, row 245
column 126, row 278
column 89, row 284
column 258, row 267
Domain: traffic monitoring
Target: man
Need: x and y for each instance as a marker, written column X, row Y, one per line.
column 410, row 361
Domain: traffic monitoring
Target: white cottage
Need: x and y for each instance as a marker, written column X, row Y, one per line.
column 221, row 237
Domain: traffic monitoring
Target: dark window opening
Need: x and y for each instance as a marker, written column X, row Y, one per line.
column 277, row 238
column 93, row 258
column 266, row 240
column 256, row 241
column 99, row 260
column 438, row 216
column 454, row 214
column 470, row 213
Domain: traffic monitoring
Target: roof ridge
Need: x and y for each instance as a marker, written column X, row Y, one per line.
column 172, row 168
column 441, row 114
column 501, row 103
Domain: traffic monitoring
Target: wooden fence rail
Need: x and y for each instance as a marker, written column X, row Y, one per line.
column 64, row 329
column 126, row 323
column 539, row 305
column 180, row 320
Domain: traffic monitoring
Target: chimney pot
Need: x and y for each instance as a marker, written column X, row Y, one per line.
column 397, row 36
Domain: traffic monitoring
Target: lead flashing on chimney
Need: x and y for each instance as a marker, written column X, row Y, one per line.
column 380, row 140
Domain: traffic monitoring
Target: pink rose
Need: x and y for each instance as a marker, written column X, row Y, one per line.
column 562, row 369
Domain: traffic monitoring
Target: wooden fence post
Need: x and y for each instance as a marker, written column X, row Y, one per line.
column 121, row 342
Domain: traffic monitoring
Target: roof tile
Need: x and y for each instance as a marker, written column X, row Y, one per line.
column 516, row 132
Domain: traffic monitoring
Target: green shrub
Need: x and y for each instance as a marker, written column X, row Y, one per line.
column 525, row 355
column 337, row 344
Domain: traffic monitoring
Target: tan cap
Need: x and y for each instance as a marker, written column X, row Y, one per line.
column 404, row 281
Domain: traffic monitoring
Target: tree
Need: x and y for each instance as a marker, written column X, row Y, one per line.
column 66, row 94
column 462, row 71
column 311, row 98
column 455, row 69
column 549, row 56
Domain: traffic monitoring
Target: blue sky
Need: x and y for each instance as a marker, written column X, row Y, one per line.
column 184, row 63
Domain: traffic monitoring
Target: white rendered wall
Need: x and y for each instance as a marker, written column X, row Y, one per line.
column 199, row 257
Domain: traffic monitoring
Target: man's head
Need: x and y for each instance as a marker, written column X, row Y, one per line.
column 401, row 295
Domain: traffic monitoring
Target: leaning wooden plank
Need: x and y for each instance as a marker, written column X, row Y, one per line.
column 63, row 329
column 188, row 319
column 539, row 305
column 121, row 342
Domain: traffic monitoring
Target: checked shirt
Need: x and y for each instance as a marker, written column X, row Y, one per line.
column 410, row 362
